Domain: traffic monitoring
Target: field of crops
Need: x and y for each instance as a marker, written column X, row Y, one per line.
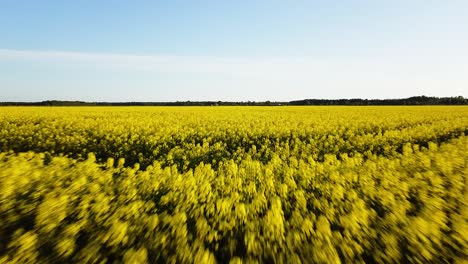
column 234, row 184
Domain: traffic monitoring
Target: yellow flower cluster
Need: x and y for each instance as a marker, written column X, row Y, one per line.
column 234, row 185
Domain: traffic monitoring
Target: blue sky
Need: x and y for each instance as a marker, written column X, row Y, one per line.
column 231, row 50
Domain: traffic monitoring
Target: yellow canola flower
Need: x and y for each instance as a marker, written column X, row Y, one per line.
column 231, row 184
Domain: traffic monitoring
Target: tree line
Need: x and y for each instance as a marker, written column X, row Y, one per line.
column 415, row 100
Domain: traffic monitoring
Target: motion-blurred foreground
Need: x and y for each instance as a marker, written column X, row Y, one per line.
column 234, row 185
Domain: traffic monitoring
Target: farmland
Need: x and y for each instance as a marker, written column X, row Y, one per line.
column 385, row 184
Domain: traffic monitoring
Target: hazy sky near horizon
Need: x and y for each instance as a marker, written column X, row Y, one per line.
column 232, row 50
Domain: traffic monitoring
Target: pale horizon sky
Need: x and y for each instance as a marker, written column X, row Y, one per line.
column 231, row 51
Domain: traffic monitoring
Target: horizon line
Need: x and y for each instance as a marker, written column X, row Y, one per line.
column 243, row 101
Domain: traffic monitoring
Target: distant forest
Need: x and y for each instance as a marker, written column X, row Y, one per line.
column 416, row 100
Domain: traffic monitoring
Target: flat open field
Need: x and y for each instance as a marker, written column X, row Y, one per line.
column 234, row 184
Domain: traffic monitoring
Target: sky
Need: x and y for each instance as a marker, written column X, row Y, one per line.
column 118, row 51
